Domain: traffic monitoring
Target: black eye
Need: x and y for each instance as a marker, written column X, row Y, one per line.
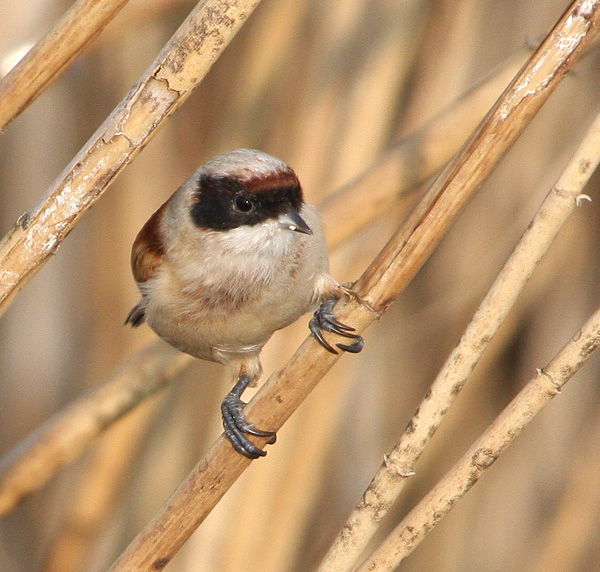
column 243, row 204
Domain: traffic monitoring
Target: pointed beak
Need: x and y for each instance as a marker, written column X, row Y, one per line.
column 291, row 220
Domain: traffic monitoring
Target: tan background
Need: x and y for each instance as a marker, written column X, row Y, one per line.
column 326, row 86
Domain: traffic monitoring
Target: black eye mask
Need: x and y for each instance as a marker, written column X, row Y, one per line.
column 223, row 203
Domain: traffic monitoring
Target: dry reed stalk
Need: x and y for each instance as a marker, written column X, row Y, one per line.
column 92, row 501
column 454, row 187
column 46, row 61
column 167, row 83
column 345, row 213
column 396, row 173
column 352, row 137
column 538, row 392
column 391, row 271
column 391, row 477
column 69, row 432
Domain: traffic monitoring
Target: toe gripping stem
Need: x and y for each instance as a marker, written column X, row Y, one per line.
column 325, row 320
column 237, row 426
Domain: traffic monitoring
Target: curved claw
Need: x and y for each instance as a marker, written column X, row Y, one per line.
column 237, row 426
column 240, row 442
column 354, row 348
column 325, row 320
column 316, row 329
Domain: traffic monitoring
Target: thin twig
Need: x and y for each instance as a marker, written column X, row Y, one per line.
column 385, row 177
column 482, row 454
column 46, row 61
column 391, row 271
column 64, row 436
column 167, row 83
column 391, row 477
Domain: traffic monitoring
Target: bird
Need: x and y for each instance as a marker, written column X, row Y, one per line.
column 232, row 256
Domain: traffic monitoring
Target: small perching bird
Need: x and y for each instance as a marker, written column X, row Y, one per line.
column 232, row 256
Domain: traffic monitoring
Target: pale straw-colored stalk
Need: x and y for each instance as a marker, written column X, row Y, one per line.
column 46, row 61
column 391, row 477
column 538, row 392
column 167, row 83
column 60, row 440
column 71, row 431
column 377, row 288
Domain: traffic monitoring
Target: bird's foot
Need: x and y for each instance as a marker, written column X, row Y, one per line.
column 325, row 320
column 237, row 426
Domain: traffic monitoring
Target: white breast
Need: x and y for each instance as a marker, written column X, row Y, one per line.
column 229, row 291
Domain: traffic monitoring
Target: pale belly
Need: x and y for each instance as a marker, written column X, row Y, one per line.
column 218, row 327
column 263, row 279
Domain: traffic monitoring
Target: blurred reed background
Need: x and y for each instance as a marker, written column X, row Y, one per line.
column 328, row 87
